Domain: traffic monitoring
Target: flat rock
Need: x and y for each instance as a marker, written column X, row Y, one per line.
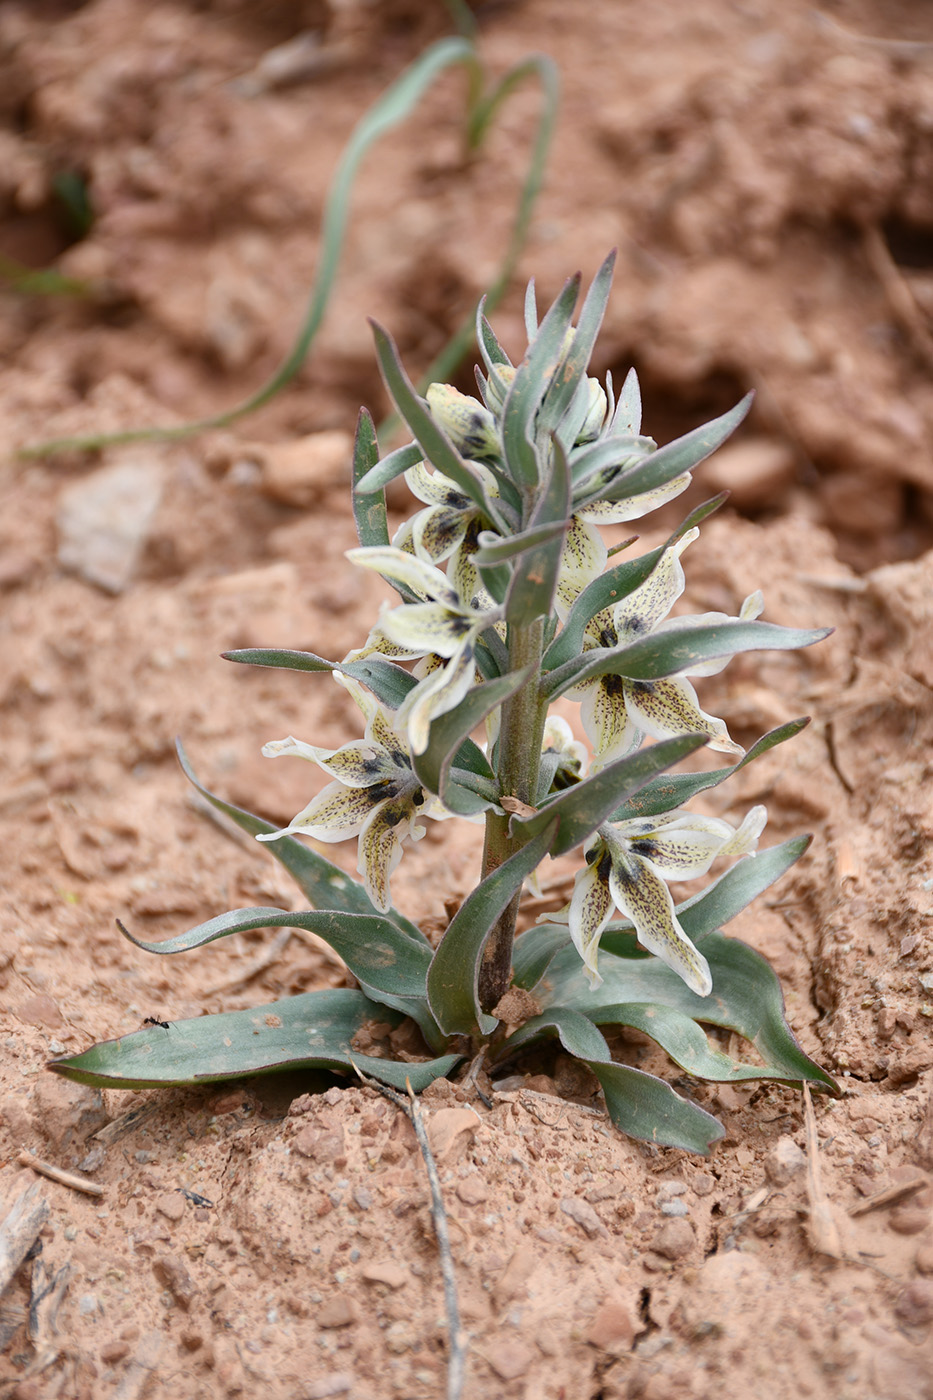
column 105, row 518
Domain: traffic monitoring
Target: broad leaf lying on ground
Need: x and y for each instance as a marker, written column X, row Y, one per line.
column 314, row 1030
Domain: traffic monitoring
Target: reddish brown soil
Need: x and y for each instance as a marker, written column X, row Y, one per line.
column 765, row 171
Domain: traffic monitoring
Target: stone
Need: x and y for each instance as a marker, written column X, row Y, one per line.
column 450, row 1133
column 105, row 519
column 674, row 1240
column 302, row 472
column 923, row 1259
column 472, row 1190
column 909, row 1219
column 612, row 1329
column 583, row 1214
column 338, row 1312
column 914, row 1307
column 509, row 1359
column 385, row 1271
column 756, row 472
column 320, row 1144
column 172, row 1274
column 171, row 1204
column 784, row 1161
column 337, row 1383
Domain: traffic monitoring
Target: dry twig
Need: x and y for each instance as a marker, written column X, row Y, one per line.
column 77, row 1183
column 410, row 1106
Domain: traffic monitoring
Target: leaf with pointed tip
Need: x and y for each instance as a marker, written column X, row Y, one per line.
column 677, row 650
column 615, row 584
column 313, row 1030
column 639, row 1104
column 585, row 806
column 682, row 1039
column 561, row 391
column 676, row 789
column 594, row 464
column 534, row 582
column 746, row 998
column 324, row 885
column 530, row 385
column 677, row 457
column 453, row 977
column 499, row 551
column 388, row 682
column 449, row 732
column 530, row 312
column 489, row 347
column 369, row 505
column 434, row 443
column 379, row 474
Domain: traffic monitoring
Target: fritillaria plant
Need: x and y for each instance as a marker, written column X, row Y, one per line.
column 508, row 599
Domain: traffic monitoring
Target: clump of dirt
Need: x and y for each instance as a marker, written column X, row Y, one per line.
column 764, row 173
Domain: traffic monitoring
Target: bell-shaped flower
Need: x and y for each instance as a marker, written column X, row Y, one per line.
column 444, row 625
column 566, row 754
column 628, row 866
column 375, row 796
column 467, row 422
column 618, row 712
column 437, row 531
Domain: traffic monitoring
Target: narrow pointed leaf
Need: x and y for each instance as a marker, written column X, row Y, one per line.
column 379, row 474
column 434, row 443
column 449, row 731
column 490, row 349
column 614, row 585
column 324, row 884
column 369, row 506
column 388, row 682
column 498, row 551
column 682, row 1038
column 676, row 789
column 639, row 1104
column 530, row 385
column 380, row 956
column 593, row 465
column 583, row 808
column 679, row 456
column 534, row 580
column 560, row 394
column 313, row 1030
column 677, row 651
column 453, row 978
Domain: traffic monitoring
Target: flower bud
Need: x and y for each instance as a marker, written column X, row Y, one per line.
column 469, row 425
column 595, row 413
column 501, row 378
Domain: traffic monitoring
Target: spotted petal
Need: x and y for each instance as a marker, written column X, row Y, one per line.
column 437, row 531
column 583, row 559
column 679, row 849
column 607, row 722
column 643, row 897
column 634, row 507
column 424, row 627
column 337, row 813
column 650, row 603
column 589, row 913
column 381, row 845
column 439, row 692
column 422, row 578
column 668, row 707
column 435, row 489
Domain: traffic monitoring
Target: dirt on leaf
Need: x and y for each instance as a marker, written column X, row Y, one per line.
column 765, row 171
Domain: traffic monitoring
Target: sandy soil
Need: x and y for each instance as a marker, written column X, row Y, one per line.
column 765, row 171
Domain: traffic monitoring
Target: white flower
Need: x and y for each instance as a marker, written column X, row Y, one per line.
column 616, row 711
column 628, row 864
column 376, row 795
column 443, row 625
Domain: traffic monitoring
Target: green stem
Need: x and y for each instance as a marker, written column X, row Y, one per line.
column 520, row 737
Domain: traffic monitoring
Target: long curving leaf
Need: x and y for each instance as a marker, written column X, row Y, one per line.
column 453, row 978
column 677, row 650
column 682, row 1038
column 746, row 998
column 615, row 584
column 369, row 506
column 388, row 682
column 560, row 394
column 315, row 1029
column 638, row 1103
column 676, row 457
column 675, row 789
column 434, row 443
column 324, row 884
column 530, row 385
column 583, row 807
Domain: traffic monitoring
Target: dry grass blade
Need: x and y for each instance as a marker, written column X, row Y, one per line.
column 822, row 1229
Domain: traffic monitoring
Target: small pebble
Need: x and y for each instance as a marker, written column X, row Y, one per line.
column 674, row 1208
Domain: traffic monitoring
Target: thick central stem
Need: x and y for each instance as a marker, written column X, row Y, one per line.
column 520, row 735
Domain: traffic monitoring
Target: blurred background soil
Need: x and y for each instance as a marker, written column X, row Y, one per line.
column 766, row 172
